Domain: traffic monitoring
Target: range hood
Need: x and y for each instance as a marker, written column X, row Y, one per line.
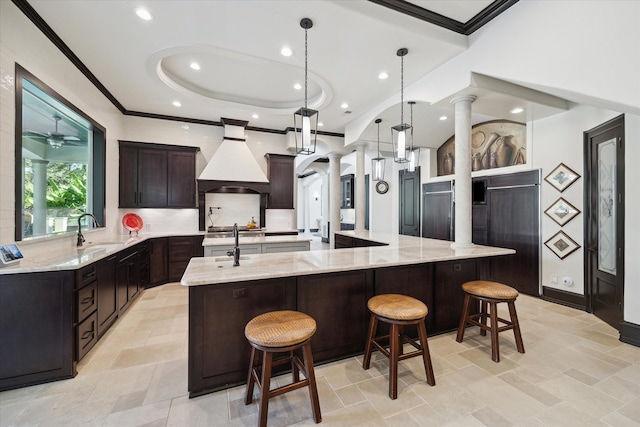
column 233, row 163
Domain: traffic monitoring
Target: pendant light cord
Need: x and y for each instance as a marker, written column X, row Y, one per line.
column 378, row 139
column 402, row 90
column 305, row 68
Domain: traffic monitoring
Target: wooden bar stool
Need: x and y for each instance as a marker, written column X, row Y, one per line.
column 280, row 332
column 490, row 293
column 398, row 311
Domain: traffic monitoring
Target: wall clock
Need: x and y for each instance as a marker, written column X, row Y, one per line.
column 382, row 187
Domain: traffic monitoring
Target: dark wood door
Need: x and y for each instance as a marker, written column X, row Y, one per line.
column 514, row 222
column 181, row 179
column 437, row 211
column 158, row 262
column 152, row 178
column 280, row 172
column 128, row 177
column 409, row 202
column 107, row 293
column 604, row 215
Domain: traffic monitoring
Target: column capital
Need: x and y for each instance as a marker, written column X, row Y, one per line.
column 360, row 148
column 335, row 156
column 464, row 98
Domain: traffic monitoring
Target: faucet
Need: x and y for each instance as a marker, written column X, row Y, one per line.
column 236, row 250
column 80, row 236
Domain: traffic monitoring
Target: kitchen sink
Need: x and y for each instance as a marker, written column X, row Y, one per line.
column 230, row 258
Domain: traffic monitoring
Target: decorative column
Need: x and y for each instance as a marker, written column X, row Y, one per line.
column 39, row 196
column 334, row 196
column 325, row 206
column 360, row 207
column 462, row 195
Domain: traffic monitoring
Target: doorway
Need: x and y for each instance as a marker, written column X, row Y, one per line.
column 409, row 202
column 604, row 217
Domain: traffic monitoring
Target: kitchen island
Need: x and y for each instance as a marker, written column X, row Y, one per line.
column 332, row 286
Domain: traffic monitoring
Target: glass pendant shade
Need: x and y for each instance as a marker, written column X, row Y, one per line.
column 399, row 139
column 414, row 159
column 305, row 130
column 377, row 168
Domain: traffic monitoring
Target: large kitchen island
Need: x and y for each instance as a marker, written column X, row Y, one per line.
column 332, row 286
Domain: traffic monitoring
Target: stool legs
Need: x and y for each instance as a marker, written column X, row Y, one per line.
column 373, row 324
column 495, row 344
column 311, row 376
column 463, row 317
column 394, row 351
column 426, row 355
column 516, row 326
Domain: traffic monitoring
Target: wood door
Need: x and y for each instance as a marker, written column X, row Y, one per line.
column 514, row 222
column 409, row 202
column 181, row 180
column 604, row 216
column 128, row 177
column 437, row 211
column 152, row 178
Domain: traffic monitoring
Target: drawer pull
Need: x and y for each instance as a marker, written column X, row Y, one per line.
column 93, row 273
column 87, row 334
column 87, row 300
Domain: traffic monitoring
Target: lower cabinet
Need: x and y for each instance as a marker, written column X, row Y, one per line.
column 181, row 250
column 85, row 310
column 107, row 293
column 158, row 261
column 257, row 248
column 341, row 241
column 36, row 320
column 448, row 294
column 128, row 273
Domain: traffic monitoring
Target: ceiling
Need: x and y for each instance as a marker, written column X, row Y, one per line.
column 144, row 66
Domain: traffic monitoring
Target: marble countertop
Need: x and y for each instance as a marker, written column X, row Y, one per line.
column 253, row 240
column 72, row 258
column 401, row 250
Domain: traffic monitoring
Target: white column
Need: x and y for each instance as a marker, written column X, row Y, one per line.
column 39, row 196
column 325, row 204
column 463, row 236
column 360, row 207
column 334, row 196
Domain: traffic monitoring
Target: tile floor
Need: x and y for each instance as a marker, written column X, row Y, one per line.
column 574, row 372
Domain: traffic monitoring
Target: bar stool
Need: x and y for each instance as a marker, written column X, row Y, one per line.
column 490, row 293
column 398, row 311
column 280, row 332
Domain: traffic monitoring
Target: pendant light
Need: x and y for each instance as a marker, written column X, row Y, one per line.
column 399, row 132
column 378, row 163
column 305, row 120
column 413, row 155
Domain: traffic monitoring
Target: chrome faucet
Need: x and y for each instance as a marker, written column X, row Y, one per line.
column 236, row 250
column 80, row 236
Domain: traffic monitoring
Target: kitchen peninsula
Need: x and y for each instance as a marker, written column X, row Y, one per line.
column 332, row 286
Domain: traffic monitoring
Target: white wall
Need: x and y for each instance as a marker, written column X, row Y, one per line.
column 632, row 213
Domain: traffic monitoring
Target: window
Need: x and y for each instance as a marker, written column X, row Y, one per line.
column 60, row 162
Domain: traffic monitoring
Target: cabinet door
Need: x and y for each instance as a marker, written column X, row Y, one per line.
column 158, row 262
column 448, row 294
column 107, row 294
column 338, row 303
column 181, row 179
column 133, row 286
column 125, row 274
column 152, row 178
column 280, row 175
column 128, row 177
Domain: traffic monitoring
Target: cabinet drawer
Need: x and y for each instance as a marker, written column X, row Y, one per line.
column 86, row 335
column 86, row 275
column 86, row 301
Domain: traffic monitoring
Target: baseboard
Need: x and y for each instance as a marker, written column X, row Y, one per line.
column 630, row 333
column 565, row 298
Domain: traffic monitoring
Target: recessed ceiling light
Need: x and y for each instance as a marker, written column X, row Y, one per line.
column 297, row 86
column 185, row 127
column 383, row 75
column 443, row 117
column 255, row 116
column 144, row 14
column 195, row 65
column 517, row 110
column 177, row 104
column 286, row 51
column 344, row 105
column 320, row 124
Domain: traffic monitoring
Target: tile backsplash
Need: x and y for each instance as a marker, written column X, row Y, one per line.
column 228, row 209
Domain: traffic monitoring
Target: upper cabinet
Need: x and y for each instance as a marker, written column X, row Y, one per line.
column 347, row 192
column 157, row 176
column 280, row 172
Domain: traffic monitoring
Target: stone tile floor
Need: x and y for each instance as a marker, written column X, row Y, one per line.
column 575, row 372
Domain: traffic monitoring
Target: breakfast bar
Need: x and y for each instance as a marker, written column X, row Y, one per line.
column 332, row 286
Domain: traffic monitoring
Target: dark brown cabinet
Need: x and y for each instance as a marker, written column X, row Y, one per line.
column 128, row 274
column 181, row 250
column 107, row 293
column 156, row 176
column 347, row 192
column 158, row 261
column 437, row 210
column 342, row 241
column 280, row 172
column 86, row 305
column 449, row 277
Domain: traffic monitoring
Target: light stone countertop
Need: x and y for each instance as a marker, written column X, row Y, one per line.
column 253, row 240
column 73, row 258
column 401, row 250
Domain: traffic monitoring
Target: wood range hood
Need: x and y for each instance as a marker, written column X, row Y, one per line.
column 233, row 170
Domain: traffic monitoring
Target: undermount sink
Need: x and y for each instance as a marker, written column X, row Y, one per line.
column 230, row 258
column 90, row 248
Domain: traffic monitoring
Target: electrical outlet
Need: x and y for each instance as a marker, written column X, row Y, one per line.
column 147, row 226
column 554, row 279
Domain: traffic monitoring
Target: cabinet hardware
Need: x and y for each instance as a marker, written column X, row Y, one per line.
column 87, row 300
column 87, row 334
column 93, row 273
column 240, row 293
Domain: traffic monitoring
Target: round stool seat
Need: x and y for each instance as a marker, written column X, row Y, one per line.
column 397, row 307
column 487, row 289
column 280, row 328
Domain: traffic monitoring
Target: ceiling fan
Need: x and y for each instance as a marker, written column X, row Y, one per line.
column 55, row 139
